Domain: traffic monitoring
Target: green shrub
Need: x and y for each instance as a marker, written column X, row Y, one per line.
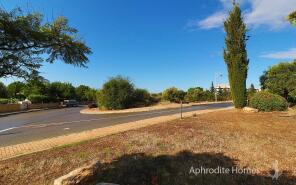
column 7, row 101
column 117, row 93
column 195, row 94
column 38, row 98
column 141, row 97
column 209, row 96
column 265, row 101
column 156, row 97
column 173, row 95
column 4, row 101
column 292, row 97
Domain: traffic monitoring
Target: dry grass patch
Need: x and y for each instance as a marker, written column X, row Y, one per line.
column 164, row 153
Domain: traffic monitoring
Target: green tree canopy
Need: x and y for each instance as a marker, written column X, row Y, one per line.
column 81, row 92
column 173, row 95
column 36, row 84
column 16, row 89
column 281, row 79
column 142, row 97
column 61, row 91
column 85, row 93
column 24, row 38
column 91, row 95
column 195, row 94
column 117, row 93
column 235, row 55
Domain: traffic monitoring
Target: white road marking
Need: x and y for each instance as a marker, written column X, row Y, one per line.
column 8, row 129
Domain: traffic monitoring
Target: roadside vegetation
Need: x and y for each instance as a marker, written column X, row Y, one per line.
column 120, row 93
column 280, row 79
column 265, row 101
column 117, row 93
column 39, row 90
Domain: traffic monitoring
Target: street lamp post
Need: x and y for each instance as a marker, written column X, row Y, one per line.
column 217, row 75
column 181, row 110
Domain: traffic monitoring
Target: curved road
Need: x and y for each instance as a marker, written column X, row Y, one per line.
column 15, row 129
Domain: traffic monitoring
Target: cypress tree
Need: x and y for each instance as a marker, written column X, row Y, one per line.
column 235, row 55
column 212, row 89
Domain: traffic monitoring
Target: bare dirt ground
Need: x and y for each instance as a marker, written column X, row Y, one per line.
column 165, row 153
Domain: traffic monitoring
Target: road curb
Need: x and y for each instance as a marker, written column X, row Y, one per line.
column 17, row 150
column 25, row 111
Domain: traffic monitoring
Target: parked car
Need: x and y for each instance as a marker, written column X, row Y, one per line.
column 70, row 103
column 92, row 105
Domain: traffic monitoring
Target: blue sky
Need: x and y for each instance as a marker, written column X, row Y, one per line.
column 164, row 43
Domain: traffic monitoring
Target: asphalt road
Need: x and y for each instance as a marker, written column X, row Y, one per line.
column 25, row 127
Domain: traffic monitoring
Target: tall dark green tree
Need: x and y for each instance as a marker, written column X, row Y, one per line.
column 263, row 79
column 251, row 91
column 3, row 90
column 212, row 89
column 235, row 55
column 25, row 39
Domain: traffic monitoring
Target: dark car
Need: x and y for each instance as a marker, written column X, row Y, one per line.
column 70, row 103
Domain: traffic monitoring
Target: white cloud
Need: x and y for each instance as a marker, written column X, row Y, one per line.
column 271, row 13
column 290, row 54
column 213, row 21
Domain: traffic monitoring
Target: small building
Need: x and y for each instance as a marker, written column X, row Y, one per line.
column 224, row 87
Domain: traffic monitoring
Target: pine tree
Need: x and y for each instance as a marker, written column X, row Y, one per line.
column 212, row 89
column 235, row 56
column 251, row 91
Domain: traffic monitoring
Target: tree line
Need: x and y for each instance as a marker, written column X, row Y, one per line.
column 39, row 90
column 120, row 93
